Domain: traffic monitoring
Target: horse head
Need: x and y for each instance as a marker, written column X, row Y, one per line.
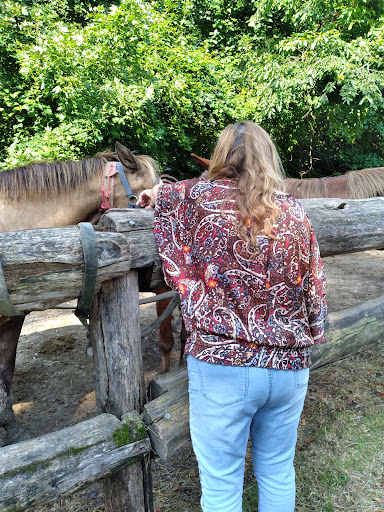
column 140, row 171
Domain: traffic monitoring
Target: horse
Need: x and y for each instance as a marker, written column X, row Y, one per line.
column 358, row 184
column 53, row 194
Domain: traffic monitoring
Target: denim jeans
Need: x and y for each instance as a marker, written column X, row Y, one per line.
column 227, row 405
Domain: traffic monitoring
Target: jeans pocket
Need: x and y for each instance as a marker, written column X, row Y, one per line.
column 301, row 377
column 223, row 385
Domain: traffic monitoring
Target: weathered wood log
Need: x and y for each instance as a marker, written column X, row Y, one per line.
column 167, row 419
column 164, row 382
column 346, row 225
column 43, row 267
column 42, row 469
column 137, row 223
column 119, row 378
column 115, row 336
column 349, row 332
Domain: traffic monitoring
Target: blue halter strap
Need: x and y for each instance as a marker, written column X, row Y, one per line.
column 131, row 197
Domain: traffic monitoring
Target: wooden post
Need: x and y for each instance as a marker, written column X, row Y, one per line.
column 119, row 376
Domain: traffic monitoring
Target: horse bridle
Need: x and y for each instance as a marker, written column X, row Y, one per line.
column 108, row 186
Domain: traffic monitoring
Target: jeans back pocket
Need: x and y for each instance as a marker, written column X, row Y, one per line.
column 301, row 377
column 223, row 385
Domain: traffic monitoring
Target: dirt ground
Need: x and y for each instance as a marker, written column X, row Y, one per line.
column 53, row 383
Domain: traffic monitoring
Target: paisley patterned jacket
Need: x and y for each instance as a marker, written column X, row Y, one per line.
column 252, row 306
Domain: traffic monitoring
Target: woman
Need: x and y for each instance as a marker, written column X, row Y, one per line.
column 244, row 259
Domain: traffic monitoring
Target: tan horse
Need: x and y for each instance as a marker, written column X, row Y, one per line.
column 65, row 193
column 50, row 195
column 351, row 185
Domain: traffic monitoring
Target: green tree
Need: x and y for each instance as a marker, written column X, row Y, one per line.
column 316, row 82
column 129, row 75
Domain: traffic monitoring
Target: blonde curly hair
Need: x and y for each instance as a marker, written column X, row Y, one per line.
column 246, row 154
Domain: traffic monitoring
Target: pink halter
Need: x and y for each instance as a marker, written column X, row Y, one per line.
column 108, row 185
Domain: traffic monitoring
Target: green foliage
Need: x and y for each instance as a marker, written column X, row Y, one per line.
column 128, row 75
column 319, row 89
column 164, row 77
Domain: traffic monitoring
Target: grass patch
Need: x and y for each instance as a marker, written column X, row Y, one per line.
column 340, row 450
column 342, row 469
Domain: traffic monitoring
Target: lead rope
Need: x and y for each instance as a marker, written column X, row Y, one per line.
column 168, row 310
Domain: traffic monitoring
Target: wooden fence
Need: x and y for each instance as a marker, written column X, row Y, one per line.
column 45, row 267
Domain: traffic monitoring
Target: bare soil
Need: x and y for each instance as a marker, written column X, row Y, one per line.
column 53, row 383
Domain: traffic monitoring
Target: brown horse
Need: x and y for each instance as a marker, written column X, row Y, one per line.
column 351, row 185
column 50, row 195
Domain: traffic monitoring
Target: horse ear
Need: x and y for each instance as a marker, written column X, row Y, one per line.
column 203, row 162
column 126, row 157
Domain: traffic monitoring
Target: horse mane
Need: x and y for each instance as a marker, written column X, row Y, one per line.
column 151, row 166
column 366, row 183
column 55, row 178
column 50, row 178
column 306, row 188
column 359, row 185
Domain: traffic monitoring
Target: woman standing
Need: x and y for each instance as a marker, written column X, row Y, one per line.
column 244, row 259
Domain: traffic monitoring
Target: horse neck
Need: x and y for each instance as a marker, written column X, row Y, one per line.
column 337, row 186
column 63, row 209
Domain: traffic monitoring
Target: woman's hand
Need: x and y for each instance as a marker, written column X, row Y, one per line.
column 147, row 198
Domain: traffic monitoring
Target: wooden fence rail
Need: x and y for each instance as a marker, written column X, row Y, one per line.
column 44, row 267
column 42, row 469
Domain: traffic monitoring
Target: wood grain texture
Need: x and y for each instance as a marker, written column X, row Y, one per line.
column 42, row 469
column 346, row 225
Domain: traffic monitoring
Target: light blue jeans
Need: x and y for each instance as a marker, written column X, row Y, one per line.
column 227, row 405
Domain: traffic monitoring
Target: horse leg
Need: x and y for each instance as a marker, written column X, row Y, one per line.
column 10, row 329
column 166, row 340
column 183, row 341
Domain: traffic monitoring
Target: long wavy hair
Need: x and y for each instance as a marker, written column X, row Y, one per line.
column 246, row 154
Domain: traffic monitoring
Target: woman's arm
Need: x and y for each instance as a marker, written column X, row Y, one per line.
column 314, row 288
